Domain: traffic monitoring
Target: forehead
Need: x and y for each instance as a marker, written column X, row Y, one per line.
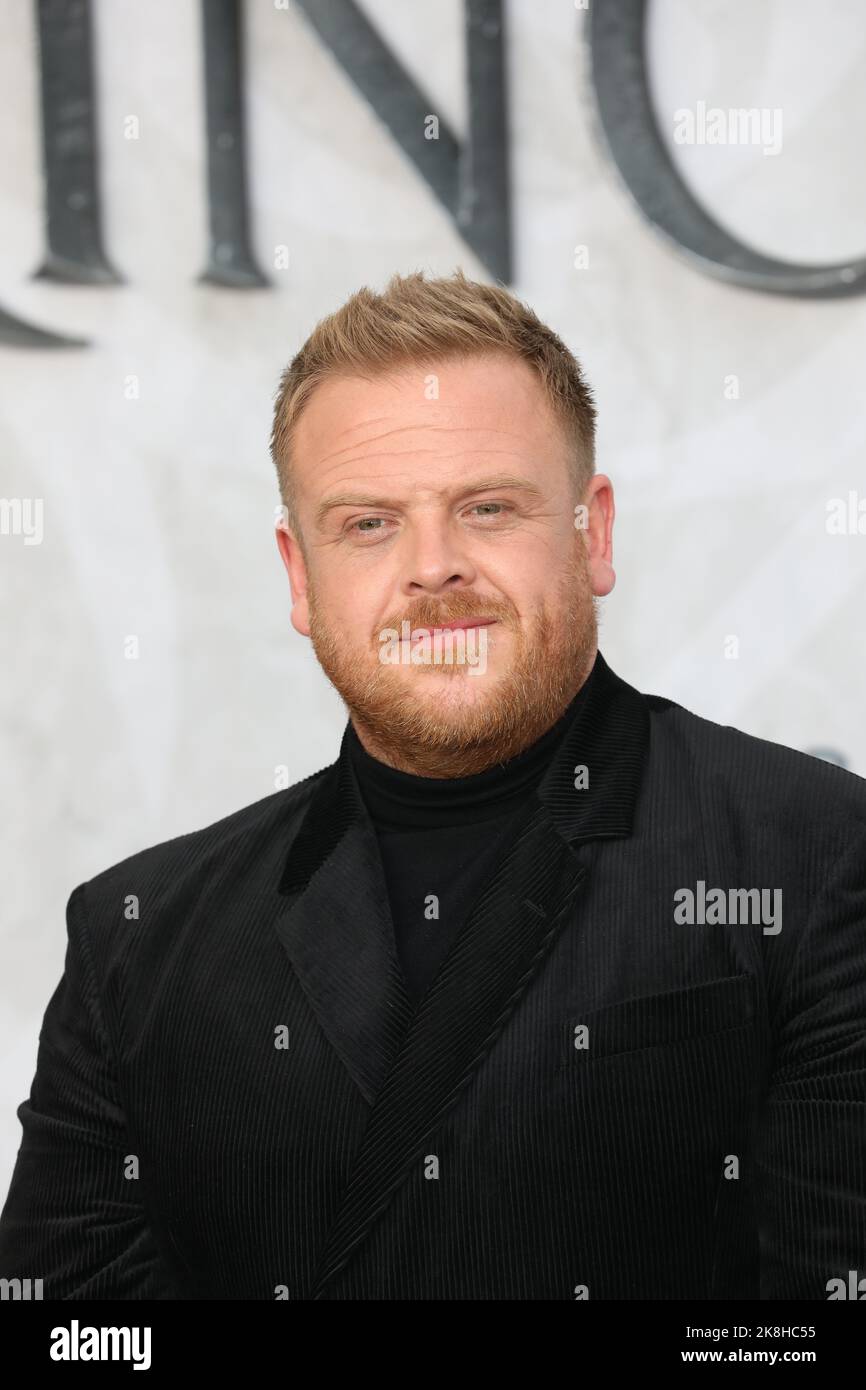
column 459, row 403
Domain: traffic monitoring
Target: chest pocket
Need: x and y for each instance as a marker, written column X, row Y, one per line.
column 656, row 1020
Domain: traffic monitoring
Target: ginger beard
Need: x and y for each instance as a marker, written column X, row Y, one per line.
column 441, row 720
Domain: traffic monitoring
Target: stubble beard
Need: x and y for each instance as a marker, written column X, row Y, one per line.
column 466, row 723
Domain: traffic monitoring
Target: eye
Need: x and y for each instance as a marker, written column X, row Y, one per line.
column 366, row 525
column 498, row 508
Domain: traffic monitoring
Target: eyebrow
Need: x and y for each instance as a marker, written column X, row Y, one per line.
column 509, row 481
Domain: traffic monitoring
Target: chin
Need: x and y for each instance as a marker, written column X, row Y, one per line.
column 457, row 704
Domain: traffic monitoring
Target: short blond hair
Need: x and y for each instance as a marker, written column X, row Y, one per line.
column 418, row 321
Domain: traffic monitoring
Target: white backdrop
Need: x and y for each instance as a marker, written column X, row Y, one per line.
column 158, row 511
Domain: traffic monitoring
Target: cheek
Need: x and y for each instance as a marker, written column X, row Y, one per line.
column 525, row 582
column 349, row 609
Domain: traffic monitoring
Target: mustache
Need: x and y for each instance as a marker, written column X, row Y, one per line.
column 435, row 612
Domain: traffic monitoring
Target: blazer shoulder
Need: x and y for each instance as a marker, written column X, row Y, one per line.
column 771, row 777
column 243, row 838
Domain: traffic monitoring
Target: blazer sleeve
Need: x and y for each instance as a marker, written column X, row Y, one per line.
column 811, row 1160
column 72, row 1217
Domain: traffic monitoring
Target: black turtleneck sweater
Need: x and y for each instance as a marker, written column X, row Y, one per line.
column 440, row 839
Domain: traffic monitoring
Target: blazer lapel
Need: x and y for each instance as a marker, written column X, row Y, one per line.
column 498, row 952
column 338, row 931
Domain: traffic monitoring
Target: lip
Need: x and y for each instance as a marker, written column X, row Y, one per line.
column 458, row 624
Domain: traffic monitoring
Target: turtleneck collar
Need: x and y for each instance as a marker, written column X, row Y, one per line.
column 398, row 800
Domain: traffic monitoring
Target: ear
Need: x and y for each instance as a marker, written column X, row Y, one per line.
column 597, row 517
column 293, row 559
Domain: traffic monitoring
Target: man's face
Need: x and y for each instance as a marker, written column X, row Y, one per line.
column 438, row 495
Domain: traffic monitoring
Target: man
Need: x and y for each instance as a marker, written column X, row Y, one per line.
column 545, row 989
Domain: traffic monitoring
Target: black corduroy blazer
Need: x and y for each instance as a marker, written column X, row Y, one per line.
column 640, row 1072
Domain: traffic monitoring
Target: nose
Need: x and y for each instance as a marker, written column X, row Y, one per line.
column 436, row 559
